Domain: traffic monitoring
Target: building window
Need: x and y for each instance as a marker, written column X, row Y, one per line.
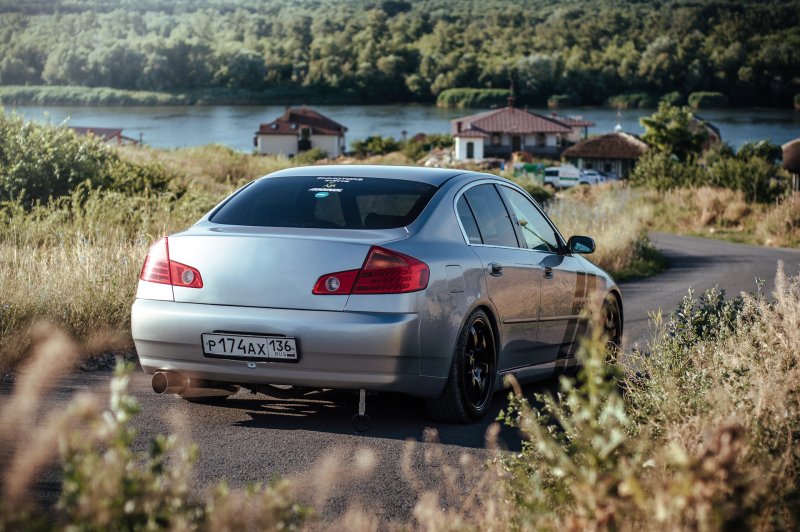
column 470, row 150
column 496, row 138
column 540, row 139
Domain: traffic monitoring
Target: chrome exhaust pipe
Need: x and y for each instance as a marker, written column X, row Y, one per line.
column 170, row 382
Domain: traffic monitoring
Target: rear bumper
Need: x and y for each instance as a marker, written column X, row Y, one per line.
column 376, row 351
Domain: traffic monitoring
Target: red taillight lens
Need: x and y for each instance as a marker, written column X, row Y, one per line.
column 390, row 272
column 156, row 264
column 383, row 272
column 158, row 268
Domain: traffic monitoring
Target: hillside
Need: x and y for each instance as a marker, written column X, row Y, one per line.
column 362, row 51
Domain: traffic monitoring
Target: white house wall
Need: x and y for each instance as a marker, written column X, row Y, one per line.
column 327, row 143
column 277, row 145
column 461, row 148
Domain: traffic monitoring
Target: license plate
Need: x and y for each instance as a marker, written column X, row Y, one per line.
column 278, row 348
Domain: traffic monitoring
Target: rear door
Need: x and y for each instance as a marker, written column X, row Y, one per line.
column 512, row 280
column 564, row 281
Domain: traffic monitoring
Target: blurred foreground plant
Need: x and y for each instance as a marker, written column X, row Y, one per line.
column 106, row 484
column 699, row 434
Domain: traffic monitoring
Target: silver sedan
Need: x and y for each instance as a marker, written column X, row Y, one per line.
column 431, row 282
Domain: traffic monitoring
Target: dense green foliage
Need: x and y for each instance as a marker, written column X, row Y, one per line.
column 467, row 98
column 677, row 158
column 674, row 131
column 370, row 51
column 631, row 100
column 706, row 100
column 38, row 162
column 758, row 179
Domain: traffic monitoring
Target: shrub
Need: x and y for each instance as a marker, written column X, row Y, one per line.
column 418, row 147
column 754, row 176
column 632, row 100
column 797, row 101
column 673, row 98
column 106, row 484
column 702, row 437
column 763, row 149
column 310, row 156
column 38, row 162
column 562, row 100
column 462, row 98
column 661, row 171
column 375, row 145
column 707, row 100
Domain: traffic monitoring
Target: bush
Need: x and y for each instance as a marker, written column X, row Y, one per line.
column 707, row 100
column 797, row 101
column 763, row 149
column 38, row 162
column 562, row 100
column 471, row 98
column 106, row 484
column 310, row 156
column 754, row 176
column 673, row 98
column 702, row 436
column 375, row 145
column 661, row 171
column 416, row 148
column 632, row 100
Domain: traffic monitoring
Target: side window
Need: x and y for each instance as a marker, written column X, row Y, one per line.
column 491, row 215
column 468, row 221
column 539, row 234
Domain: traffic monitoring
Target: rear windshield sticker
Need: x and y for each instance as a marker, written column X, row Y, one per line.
column 321, row 195
column 331, row 184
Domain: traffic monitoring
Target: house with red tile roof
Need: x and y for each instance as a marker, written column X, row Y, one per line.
column 613, row 153
column 500, row 132
column 106, row 134
column 299, row 129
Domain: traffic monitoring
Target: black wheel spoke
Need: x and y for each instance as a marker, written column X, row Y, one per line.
column 478, row 363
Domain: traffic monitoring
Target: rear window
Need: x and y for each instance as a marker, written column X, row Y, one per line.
column 327, row 203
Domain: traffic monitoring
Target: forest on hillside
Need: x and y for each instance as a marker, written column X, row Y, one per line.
column 394, row 51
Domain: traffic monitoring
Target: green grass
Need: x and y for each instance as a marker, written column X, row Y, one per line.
column 472, row 98
column 98, row 96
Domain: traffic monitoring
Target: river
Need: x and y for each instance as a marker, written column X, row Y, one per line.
column 234, row 126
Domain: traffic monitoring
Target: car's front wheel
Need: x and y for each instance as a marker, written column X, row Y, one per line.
column 470, row 385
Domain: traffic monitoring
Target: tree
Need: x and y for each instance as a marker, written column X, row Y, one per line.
column 674, row 131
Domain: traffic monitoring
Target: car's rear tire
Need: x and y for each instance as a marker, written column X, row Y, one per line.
column 470, row 385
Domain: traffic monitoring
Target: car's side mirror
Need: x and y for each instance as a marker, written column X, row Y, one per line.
column 580, row 244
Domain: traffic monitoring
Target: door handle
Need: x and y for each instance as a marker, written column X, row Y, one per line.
column 548, row 272
column 496, row 270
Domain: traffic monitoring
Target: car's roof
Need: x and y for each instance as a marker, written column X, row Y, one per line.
column 432, row 176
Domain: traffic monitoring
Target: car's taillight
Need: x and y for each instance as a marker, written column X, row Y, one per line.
column 383, row 272
column 158, row 268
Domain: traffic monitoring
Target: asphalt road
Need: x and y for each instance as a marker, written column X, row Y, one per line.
column 253, row 438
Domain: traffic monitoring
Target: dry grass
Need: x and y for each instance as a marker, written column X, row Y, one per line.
column 781, row 224
column 617, row 219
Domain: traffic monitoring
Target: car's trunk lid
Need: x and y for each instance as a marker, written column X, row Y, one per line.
column 270, row 267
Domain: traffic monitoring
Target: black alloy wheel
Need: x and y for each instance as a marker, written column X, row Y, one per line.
column 470, row 386
column 478, row 363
